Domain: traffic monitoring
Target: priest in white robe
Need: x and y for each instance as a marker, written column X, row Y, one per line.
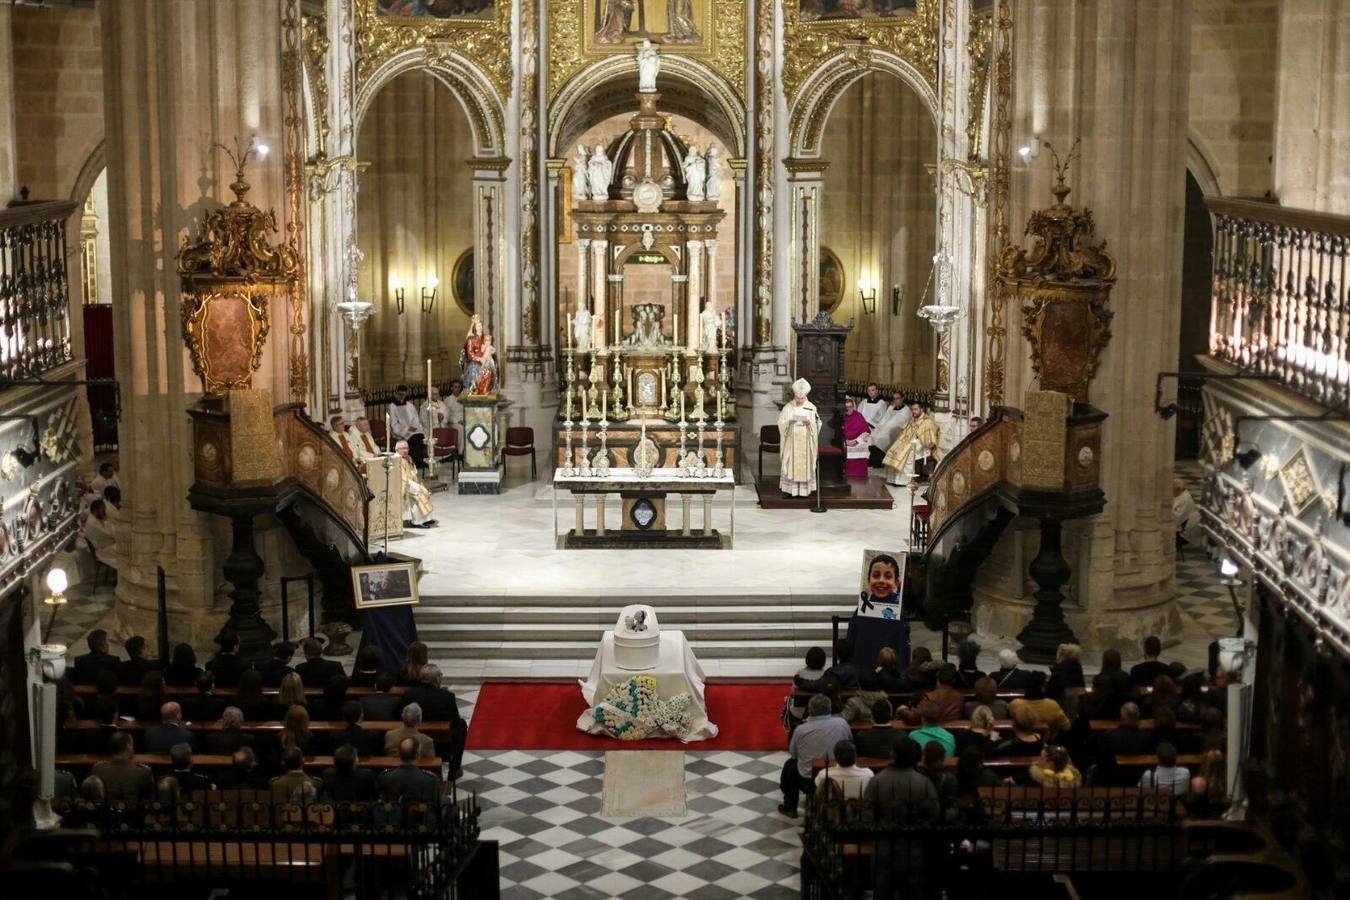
column 416, row 498
column 874, row 406
column 407, row 425
column 892, row 422
column 337, row 430
column 799, row 431
column 363, row 442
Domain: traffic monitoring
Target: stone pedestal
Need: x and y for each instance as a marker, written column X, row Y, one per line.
column 481, row 472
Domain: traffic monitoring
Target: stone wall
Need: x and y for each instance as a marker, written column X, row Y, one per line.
column 879, row 217
column 1312, row 144
column 1233, row 72
column 58, row 86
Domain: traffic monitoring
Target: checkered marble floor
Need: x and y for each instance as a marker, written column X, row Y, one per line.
column 1200, row 591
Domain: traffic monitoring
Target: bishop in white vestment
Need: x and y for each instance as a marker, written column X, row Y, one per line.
column 799, row 430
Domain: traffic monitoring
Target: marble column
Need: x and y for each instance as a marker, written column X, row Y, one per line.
column 807, row 181
column 1312, row 118
column 693, row 289
column 710, row 275
column 599, row 291
column 1116, row 76
column 178, row 78
column 9, row 161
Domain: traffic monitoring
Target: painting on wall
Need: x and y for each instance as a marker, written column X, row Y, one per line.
column 831, row 280
column 436, row 9
column 622, row 23
column 834, row 10
column 462, row 281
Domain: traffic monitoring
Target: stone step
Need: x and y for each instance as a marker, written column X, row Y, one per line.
column 671, row 616
column 616, row 600
column 593, row 631
column 732, row 648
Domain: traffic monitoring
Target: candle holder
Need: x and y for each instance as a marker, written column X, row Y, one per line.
column 680, row 461
column 699, row 413
column 618, row 413
column 570, row 379
column 718, row 469
column 569, row 467
column 601, row 467
column 700, row 469
column 675, row 409
column 723, row 383
column 596, row 379
column 584, row 470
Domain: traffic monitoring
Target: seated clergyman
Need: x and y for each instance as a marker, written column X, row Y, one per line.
column 417, row 499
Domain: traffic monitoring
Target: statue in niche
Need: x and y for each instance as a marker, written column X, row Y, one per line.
column 601, row 170
column 647, row 326
column 680, row 18
column 695, row 172
column 581, row 329
column 649, row 64
column 708, row 323
column 713, row 185
column 477, row 360
column 579, row 174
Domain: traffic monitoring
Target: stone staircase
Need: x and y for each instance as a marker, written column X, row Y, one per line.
column 740, row 634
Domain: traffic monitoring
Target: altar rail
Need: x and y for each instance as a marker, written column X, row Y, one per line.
column 1279, row 301
column 243, row 837
column 34, row 289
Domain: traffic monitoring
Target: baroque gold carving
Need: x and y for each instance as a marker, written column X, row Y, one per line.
column 292, row 71
column 529, row 172
column 913, row 38
column 1299, row 480
column 571, row 50
column 1065, row 281
column 314, row 38
column 486, row 42
column 977, row 48
column 223, row 368
column 764, row 171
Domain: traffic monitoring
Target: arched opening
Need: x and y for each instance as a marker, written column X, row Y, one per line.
column 1197, row 261
column 879, row 229
column 415, row 226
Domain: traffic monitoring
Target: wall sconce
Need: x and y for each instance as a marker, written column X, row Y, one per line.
column 1031, row 149
column 867, row 293
column 397, row 285
column 429, row 293
column 895, row 299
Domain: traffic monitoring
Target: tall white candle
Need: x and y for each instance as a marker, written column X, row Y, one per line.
column 389, row 434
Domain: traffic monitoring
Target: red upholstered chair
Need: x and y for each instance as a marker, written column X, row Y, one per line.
column 520, row 442
column 377, row 432
column 447, row 447
column 769, row 441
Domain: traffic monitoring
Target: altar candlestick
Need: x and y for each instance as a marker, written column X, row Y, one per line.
column 604, row 406
column 618, row 334
column 724, row 330
column 428, row 379
column 388, row 434
column 675, row 332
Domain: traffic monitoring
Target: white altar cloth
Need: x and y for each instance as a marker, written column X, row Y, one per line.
column 677, row 670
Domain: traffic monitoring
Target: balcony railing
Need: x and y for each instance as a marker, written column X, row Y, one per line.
column 1280, row 305
column 34, row 289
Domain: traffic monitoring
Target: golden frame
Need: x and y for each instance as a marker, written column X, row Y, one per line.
column 1300, row 483
column 466, row 304
column 196, row 307
column 363, row 601
column 487, row 42
column 829, row 257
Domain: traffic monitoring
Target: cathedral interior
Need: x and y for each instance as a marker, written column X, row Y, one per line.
column 641, row 415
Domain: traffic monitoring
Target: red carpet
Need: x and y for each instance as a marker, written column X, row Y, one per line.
column 543, row 716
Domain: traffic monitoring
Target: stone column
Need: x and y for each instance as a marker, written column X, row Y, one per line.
column 599, row 291
column 9, row 163
column 1312, row 116
column 1116, row 76
column 807, row 180
column 694, row 253
column 213, row 78
column 711, row 274
column 583, row 275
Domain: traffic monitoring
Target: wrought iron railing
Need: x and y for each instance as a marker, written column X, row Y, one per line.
column 423, row 850
column 1279, row 301
column 34, row 289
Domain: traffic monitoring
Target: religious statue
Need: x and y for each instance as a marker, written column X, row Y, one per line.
column 799, row 430
column 618, row 17
column 918, row 440
column 708, row 323
column 579, row 180
column 581, row 329
column 712, row 188
column 478, row 360
column 695, row 172
column 600, row 169
column 646, row 326
column 680, row 22
column 649, row 64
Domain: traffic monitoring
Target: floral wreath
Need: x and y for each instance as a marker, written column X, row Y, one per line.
column 632, row 710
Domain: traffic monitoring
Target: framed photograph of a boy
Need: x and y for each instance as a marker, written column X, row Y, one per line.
column 385, row 584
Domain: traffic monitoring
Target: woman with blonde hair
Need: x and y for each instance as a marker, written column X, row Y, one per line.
column 295, row 732
column 1053, row 769
column 982, row 733
column 1025, row 740
column 292, row 692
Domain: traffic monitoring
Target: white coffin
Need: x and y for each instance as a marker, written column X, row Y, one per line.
column 637, row 650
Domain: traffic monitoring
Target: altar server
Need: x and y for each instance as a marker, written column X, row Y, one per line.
column 407, row 426
column 874, row 406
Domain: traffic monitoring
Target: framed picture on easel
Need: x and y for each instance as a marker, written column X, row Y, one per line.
column 385, row 584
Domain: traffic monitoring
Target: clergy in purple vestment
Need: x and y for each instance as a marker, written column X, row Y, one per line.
column 857, row 440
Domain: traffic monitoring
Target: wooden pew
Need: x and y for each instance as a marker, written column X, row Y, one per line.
column 1006, row 725
column 1010, row 764
column 126, row 690
column 434, row 729
column 82, row 761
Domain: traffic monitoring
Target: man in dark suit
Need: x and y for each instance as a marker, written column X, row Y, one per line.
column 288, row 785
column 1143, row 674
column 226, row 665
column 1126, row 739
column 877, row 742
column 88, row 666
column 204, row 706
column 161, row 738
column 279, row 666
column 366, row 743
column 316, row 670
column 382, row 706
column 408, row 781
column 242, row 773
column 188, row 781
column 344, row 781
column 123, row 779
column 133, row 671
column 438, row 703
column 230, row 737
